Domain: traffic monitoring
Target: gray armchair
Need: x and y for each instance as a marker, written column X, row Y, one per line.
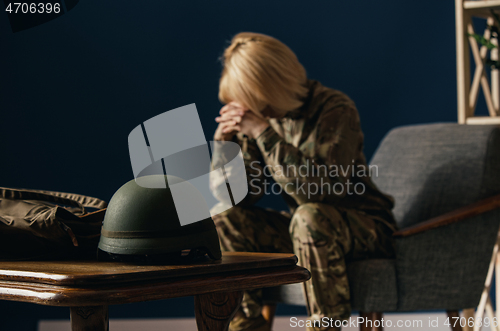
column 445, row 179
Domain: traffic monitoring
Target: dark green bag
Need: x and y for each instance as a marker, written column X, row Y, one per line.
column 48, row 225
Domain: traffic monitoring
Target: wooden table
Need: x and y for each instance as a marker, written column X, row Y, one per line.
column 88, row 287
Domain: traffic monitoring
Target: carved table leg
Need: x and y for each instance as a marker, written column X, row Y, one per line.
column 214, row 311
column 91, row 318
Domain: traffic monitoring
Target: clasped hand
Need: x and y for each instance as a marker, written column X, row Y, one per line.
column 235, row 118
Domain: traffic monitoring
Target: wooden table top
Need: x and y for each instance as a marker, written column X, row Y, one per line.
column 77, row 283
column 85, row 273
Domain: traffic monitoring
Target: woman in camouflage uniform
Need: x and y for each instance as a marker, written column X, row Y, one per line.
column 308, row 138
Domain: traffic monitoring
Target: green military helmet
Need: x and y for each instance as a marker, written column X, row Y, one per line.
column 141, row 224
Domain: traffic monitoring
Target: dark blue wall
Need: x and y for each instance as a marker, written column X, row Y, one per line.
column 72, row 89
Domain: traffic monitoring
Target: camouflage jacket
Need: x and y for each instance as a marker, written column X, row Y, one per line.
column 314, row 154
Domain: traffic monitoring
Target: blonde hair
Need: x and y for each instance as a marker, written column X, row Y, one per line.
column 261, row 71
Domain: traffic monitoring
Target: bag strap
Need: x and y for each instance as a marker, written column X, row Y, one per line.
column 86, row 201
column 70, row 199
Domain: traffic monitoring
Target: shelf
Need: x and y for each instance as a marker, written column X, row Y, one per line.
column 481, row 8
column 482, row 120
column 484, row 4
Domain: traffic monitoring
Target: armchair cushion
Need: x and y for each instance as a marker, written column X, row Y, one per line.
column 435, row 168
column 445, row 268
column 373, row 285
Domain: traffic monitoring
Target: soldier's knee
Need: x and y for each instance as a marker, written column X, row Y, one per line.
column 302, row 218
column 308, row 209
column 308, row 215
column 233, row 215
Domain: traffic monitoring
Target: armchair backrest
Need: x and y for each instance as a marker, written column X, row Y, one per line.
column 432, row 169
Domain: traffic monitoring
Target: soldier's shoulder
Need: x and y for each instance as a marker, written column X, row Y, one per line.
column 331, row 108
column 326, row 98
column 322, row 93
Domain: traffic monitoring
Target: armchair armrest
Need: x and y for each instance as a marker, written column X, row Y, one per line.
column 457, row 215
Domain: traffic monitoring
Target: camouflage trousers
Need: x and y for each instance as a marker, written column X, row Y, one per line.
column 323, row 237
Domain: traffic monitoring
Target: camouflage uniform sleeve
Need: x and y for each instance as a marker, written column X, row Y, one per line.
column 335, row 142
column 253, row 167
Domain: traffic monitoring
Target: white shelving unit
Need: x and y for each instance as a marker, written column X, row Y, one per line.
column 467, row 100
column 468, row 91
